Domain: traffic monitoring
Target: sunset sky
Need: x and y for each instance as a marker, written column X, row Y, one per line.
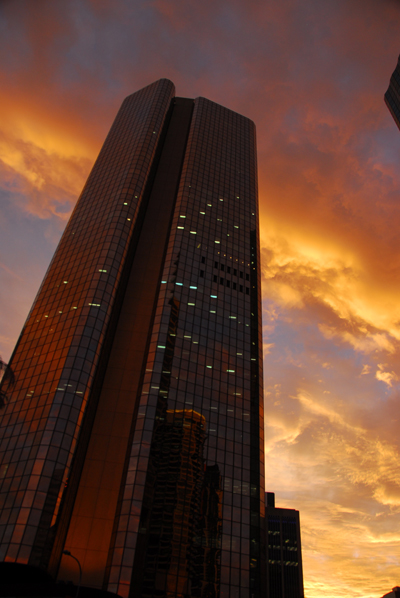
column 312, row 75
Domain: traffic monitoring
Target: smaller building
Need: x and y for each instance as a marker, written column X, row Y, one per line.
column 283, row 548
column 395, row 593
column 392, row 96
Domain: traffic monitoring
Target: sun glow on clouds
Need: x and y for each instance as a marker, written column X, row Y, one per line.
column 47, row 166
column 330, row 318
column 296, row 270
column 349, row 516
column 387, row 377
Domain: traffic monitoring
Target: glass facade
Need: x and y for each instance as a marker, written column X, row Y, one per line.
column 133, row 435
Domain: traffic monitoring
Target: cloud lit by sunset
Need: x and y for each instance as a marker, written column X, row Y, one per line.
column 312, row 76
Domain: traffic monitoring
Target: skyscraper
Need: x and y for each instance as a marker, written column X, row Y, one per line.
column 392, row 96
column 132, row 436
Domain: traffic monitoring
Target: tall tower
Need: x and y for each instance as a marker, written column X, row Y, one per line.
column 392, row 96
column 132, row 436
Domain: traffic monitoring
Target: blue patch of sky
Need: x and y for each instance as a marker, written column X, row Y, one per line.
column 13, row 56
column 27, row 244
column 293, row 119
column 387, row 142
column 27, row 234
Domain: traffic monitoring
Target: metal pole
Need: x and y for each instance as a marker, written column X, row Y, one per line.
column 67, row 553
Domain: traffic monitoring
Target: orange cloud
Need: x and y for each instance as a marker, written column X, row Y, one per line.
column 298, row 274
column 386, row 377
column 50, row 182
column 355, row 479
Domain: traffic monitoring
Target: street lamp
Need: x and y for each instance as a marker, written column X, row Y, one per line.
column 67, row 553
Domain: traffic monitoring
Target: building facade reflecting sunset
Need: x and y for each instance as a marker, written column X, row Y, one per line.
column 132, row 435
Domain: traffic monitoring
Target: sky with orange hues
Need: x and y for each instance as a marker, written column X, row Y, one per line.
column 312, row 75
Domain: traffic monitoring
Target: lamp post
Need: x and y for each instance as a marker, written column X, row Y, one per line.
column 67, row 553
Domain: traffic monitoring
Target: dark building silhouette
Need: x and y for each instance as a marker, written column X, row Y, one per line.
column 132, row 431
column 283, row 546
column 392, row 96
